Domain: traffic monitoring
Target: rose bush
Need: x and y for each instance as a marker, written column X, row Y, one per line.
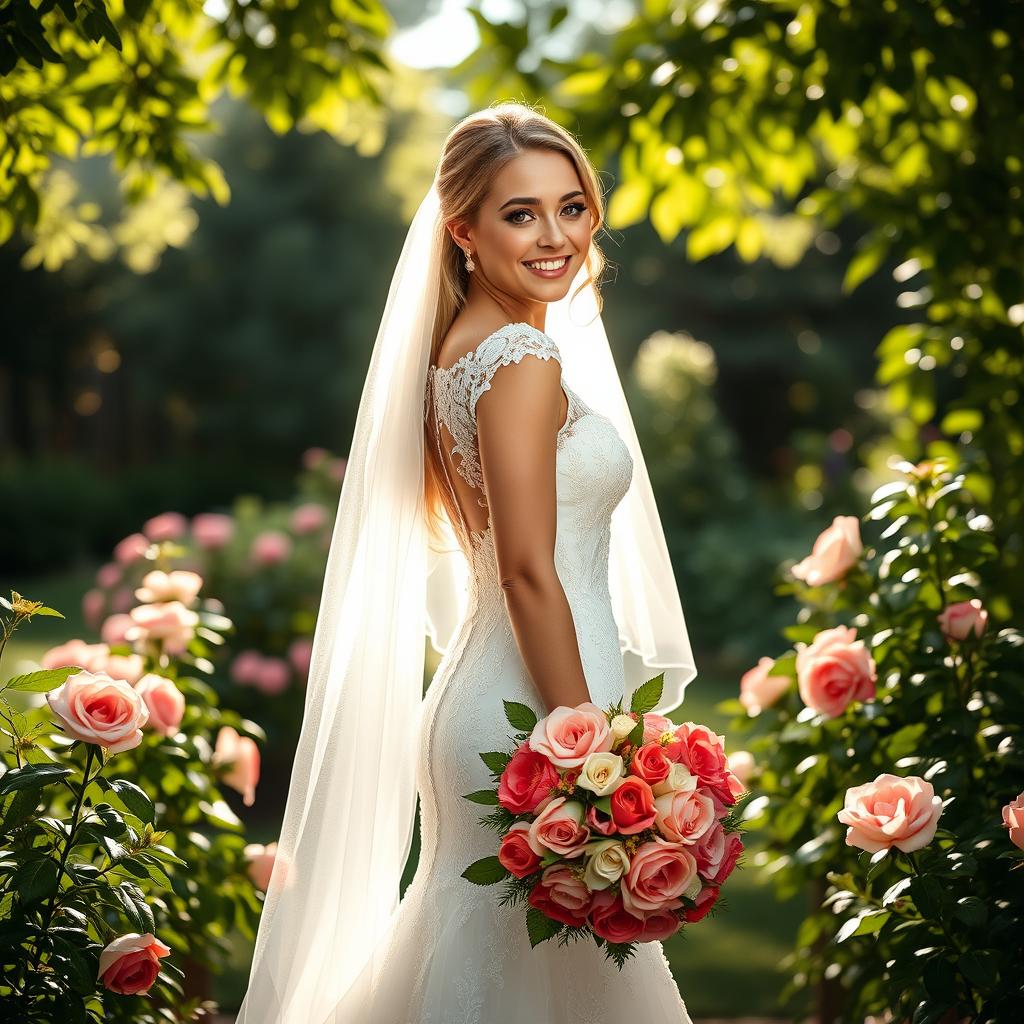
column 887, row 760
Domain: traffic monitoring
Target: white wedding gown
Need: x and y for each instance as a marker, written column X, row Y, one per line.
column 454, row 955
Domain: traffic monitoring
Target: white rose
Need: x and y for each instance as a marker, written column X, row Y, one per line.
column 622, row 726
column 679, row 778
column 601, row 772
column 608, row 863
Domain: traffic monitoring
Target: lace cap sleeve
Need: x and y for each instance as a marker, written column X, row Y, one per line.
column 500, row 349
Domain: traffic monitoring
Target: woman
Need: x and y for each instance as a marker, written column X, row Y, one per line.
column 478, row 501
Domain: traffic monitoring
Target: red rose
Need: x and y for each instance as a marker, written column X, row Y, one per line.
column 528, row 779
column 705, row 901
column 703, row 752
column 659, row 925
column 610, row 919
column 650, row 764
column 733, row 849
column 633, row 807
column 515, row 853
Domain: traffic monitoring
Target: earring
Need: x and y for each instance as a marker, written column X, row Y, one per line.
column 470, row 265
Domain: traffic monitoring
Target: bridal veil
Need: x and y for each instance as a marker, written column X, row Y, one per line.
column 350, row 811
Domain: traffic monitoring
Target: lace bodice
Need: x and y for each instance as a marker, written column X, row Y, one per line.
column 453, row 391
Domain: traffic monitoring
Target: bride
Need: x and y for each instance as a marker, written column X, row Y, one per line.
column 500, row 504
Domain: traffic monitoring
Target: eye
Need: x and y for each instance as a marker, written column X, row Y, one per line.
column 580, row 207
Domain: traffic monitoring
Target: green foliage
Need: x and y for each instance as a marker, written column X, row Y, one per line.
column 948, row 711
column 137, row 78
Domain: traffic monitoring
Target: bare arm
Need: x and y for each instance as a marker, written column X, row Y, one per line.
column 517, row 423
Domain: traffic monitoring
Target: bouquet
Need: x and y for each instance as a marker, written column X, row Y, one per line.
column 617, row 825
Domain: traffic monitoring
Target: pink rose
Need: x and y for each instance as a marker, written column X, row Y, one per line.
column 659, row 925
column 245, row 667
column 706, row 899
column 131, row 548
column 307, row 518
column 300, row 652
column 655, row 726
column 97, row 709
column 732, row 847
column 1013, row 819
column 834, row 671
column 659, row 872
column 273, row 676
column 122, row 599
column 703, row 752
column 336, row 469
column 528, row 779
column 598, row 821
column 242, row 758
column 891, row 811
column 610, row 919
column 74, row 652
column 130, row 964
column 260, row 863
column 683, row 816
column 312, row 457
column 128, row 667
column 212, row 530
column 561, row 895
column 709, row 851
column 515, row 853
column 94, row 604
column 108, row 575
column 270, row 548
column 759, row 690
column 835, row 551
column 113, row 629
column 169, row 623
column 568, row 736
column 742, row 765
column 632, row 806
column 650, row 763
column 959, row 621
column 177, row 585
column 166, row 526
column 166, row 703
column 559, row 827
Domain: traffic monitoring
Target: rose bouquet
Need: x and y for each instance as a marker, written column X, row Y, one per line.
column 618, row 825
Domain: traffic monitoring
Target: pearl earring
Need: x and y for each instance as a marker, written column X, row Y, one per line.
column 470, row 265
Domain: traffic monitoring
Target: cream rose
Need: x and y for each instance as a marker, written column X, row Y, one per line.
column 607, row 863
column 621, row 726
column 680, row 779
column 601, row 773
column 178, row 585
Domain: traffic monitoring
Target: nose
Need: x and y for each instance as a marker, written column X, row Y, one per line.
column 552, row 235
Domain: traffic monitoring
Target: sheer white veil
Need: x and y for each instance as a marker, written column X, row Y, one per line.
column 349, row 816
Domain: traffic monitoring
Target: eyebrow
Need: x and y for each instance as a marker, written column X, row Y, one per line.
column 534, row 201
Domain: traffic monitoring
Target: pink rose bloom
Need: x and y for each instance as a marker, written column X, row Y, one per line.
column 515, row 853
column 130, row 964
column 959, row 621
column 1013, row 819
column 659, row 872
column 568, row 736
column 561, row 895
column 655, row 726
column 245, row 667
column 128, row 667
column 336, row 470
column 109, row 575
column 169, row 623
column 891, row 811
column 300, row 652
column 834, row 671
column 96, row 709
column 312, row 457
column 559, row 827
column 270, row 548
column 74, row 652
column 166, row 526
column 123, row 600
column 759, row 690
column 307, row 518
column 706, row 899
column 598, row 821
column 610, row 919
column 165, row 701
column 113, row 629
column 260, row 863
column 732, row 847
column 835, row 551
column 242, row 758
column 131, row 548
column 709, row 851
column 94, row 604
column 658, row 925
column 683, row 816
column 527, row 780
column 703, row 752
column 273, row 676
column 212, row 530
column 177, row 585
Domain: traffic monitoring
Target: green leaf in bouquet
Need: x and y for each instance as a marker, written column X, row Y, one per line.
column 540, row 927
column 636, row 736
column 43, row 680
column 620, row 952
column 646, row 696
column 604, row 803
column 520, row 716
column 485, row 871
column 482, row 796
column 550, row 857
column 32, row 776
column 496, row 760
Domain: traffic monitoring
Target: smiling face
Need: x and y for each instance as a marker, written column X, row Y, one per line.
column 536, row 212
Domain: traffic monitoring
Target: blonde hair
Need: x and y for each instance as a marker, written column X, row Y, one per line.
column 476, row 150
